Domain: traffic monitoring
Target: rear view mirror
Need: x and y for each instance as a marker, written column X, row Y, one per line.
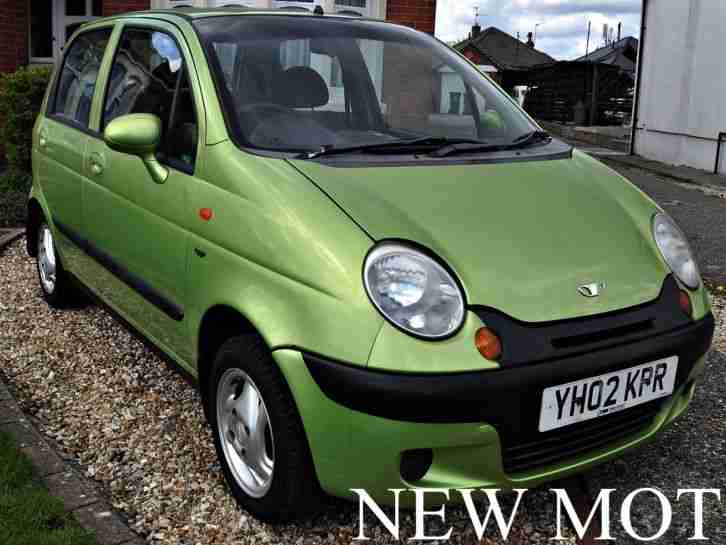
column 138, row 134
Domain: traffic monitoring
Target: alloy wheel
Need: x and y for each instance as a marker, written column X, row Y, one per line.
column 46, row 259
column 245, row 433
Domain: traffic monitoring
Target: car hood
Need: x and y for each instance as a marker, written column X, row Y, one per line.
column 521, row 236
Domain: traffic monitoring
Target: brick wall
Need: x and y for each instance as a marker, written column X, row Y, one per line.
column 419, row 14
column 13, row 34
column 112, row 7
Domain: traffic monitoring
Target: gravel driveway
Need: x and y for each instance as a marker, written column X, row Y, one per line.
column 136, row 427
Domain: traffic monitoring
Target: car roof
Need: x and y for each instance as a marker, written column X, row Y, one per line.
column 189, row 13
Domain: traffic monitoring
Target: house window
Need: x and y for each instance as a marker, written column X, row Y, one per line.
column 41, row 30
column 336, row 76
column 454, row 103
column 52, row 22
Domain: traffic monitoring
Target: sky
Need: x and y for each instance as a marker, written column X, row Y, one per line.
column 563, row 32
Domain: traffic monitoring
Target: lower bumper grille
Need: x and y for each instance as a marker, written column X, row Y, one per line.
column 577, row 439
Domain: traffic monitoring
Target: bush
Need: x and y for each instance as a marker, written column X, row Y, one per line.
column 21, row 95
column 14, row 188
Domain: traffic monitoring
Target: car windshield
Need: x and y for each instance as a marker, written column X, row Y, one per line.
column 302, row 83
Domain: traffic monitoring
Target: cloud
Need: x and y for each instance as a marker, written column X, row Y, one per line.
column 561, row 24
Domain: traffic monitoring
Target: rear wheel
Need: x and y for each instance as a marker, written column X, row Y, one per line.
column 55, row 285
column 258, row 434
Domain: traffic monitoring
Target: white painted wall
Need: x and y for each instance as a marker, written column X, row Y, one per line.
column 683, row 88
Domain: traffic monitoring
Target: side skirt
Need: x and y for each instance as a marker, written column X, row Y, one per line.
column 148, row 343
column 135, row 282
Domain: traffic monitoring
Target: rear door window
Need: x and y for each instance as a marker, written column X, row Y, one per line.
column 77, row 80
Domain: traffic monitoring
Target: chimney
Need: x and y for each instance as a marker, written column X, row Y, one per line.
column 530, row 41
column 475, row 30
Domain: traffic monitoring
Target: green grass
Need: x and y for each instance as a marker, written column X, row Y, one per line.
column 28, row 514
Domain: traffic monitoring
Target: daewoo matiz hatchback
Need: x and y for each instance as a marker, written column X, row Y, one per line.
column 382, row 272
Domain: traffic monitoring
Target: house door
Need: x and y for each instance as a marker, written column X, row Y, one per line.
column 52, row 22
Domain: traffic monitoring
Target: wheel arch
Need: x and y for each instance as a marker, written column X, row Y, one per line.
column 218, row 324
column 34, row 217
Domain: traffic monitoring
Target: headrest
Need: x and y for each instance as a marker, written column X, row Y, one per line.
column 301, row 87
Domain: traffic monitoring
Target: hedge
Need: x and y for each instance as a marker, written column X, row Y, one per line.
column 14, row 188
column 21, row 95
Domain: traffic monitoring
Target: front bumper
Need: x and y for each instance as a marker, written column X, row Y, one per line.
column 481, row 427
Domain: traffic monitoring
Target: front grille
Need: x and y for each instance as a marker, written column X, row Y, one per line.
column 572, row 441
column 527, row 343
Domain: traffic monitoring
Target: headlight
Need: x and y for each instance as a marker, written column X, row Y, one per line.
column 674, row 247
column 413, row 291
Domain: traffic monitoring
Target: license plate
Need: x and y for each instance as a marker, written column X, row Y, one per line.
column 589, row 398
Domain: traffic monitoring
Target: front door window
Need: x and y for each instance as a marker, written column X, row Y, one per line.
column 53, row 22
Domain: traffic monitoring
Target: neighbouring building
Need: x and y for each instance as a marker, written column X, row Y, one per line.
column 595, row 89
column 505, row 58
column 34, row 31
column 679, row 112
column 622, row 53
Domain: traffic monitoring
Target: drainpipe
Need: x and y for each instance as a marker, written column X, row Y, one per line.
column 638, row 76
column 719, row 139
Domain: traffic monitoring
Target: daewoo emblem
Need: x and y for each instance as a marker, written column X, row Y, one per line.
column 591, row 290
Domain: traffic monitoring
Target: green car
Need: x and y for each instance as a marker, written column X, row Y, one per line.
column 381, row 271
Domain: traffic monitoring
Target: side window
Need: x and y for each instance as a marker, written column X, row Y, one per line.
column 149, row 76
column 77, row 80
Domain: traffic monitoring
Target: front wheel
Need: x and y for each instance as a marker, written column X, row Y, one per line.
column 258, row 434
column 55, row 285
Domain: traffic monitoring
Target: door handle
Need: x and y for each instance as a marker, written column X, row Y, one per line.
column 96, row 163
column 43, row 138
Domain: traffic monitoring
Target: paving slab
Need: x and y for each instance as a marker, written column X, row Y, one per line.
column 107, row 526
column 5, row 392
column 10, row 412
column 71, row 490
column 45, row 459
column 23, row 432
column 9, row 235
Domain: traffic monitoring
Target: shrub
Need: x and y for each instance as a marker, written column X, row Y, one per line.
column 14, row 188
column 21, row 95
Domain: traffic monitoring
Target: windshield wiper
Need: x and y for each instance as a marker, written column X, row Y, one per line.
column 529, row 137
column 483, row 147
column 394, row 145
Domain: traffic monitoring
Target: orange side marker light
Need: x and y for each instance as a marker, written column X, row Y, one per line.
column 488, row 344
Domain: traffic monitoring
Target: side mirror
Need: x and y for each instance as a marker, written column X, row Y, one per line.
column 138, row 134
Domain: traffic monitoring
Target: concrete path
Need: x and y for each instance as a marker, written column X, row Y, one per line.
column 680, row 173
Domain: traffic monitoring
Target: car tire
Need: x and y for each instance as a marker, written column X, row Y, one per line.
column 55, row 284
column 263, row 452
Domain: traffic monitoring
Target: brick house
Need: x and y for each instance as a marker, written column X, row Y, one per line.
column 34, row 31
column 506, row 59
